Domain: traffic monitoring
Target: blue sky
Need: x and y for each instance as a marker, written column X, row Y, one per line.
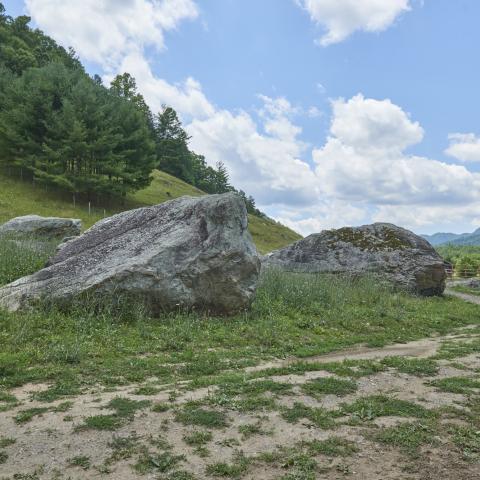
column 330, row 112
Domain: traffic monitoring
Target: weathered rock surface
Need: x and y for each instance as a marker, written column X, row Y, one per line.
column 396, row 254
column 188, row 252
column 44, row 227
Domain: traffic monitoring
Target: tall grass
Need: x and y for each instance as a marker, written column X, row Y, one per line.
column 292, row 315
column 20, row 257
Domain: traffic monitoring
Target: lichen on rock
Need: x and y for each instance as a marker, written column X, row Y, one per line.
column 398, row 255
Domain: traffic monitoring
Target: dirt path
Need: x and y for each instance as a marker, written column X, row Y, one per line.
column 464, row 296
column 420, row 349
column 288, row 426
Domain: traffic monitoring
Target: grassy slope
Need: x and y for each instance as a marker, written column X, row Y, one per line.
column 21, row 198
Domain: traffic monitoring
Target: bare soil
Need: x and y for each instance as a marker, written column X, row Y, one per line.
column 46, row 445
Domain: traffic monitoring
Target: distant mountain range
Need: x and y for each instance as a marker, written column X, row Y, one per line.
column 454, row 238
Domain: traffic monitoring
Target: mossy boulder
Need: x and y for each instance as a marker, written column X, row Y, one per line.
column 385, row 250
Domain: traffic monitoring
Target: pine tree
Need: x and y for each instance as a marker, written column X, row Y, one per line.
column 62, row 128
column 173, row 154
column 222, row 182
column 125, row 86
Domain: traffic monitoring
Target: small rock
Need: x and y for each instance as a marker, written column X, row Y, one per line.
column 42, row 227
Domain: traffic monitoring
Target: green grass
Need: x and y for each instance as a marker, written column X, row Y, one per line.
column 320, row 417
column 122, row 448
column 160, row 407
column 331, row 447
column 409, row 437
column 466, row 289
column 81, row 461
column 252, row 429
column 125, row 410
column 329, row 385
column 456, row 384
column 22, row 198
column 191, row 415
column 63, row 407
column 146, row 390
column 6, row 442
column 197, row 438
column 246, row 396
column 7, row 401
column 62, row 388
column 467, row 439
column 24, row 416
column 296, row 461
column 162, row 462
column 17, row 260
column 420, row 367
column 236, row 469
column 369, row 408
column 292, row 315
column 451, row 350
column 102, row 422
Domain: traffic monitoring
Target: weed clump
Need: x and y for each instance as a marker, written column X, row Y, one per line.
column 191, row 415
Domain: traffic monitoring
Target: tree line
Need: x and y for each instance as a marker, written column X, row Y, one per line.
column 63, row 128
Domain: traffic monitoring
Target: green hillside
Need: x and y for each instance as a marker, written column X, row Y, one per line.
column 22, row 198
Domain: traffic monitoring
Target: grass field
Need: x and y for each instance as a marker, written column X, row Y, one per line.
column 21, row 198
column 116, row 393
column 293, row 314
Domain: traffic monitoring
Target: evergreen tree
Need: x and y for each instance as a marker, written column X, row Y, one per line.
column 22, row 47
column 125, row 86
column 222, row 182
column 62, row 128
column 171, row 140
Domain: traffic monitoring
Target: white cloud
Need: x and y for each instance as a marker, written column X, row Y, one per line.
column 114, row 34
column 434, row 217
column 341, row 18
column 186, row 97
column 361, row 173
column 364, row 160
column 267, row 165
column 105, row 31
column 464, row 147
column 323, row 214
column 370, row 125
column 314, row 112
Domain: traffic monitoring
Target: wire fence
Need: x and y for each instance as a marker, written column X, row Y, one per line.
column 464, row 273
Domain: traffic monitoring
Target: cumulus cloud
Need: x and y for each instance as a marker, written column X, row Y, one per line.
column 363, row 171
column 105, row 31
column 324, row 213
column 114, row 35
column 266, row 164
column 464, row 147
column 364, row 160
column 341, row 18
column 438, row 216
column 186, row 97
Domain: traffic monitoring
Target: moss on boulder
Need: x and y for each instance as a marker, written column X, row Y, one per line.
column 398, row 255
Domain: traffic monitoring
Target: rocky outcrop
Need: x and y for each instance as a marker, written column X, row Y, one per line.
column 396, row 254
column 188, row 253
column 53, row 228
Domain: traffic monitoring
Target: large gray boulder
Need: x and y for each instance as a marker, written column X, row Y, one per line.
column 396, row 254
column 42, row 227
column 188, row 253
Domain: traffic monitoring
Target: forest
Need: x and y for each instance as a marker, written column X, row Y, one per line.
column 62, row 128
